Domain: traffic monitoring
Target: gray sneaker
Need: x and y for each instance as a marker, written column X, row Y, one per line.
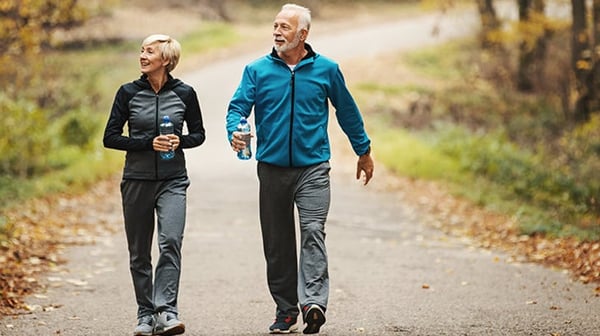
column 314, row 317
column 167, row 324
column 145, row 326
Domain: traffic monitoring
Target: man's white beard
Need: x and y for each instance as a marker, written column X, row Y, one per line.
column 289, row 46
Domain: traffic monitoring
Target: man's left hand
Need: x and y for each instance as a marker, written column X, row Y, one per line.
column 365, row 164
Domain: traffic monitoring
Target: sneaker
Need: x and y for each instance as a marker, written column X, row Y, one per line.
column 283, row 325
column 167, row 324
column 145, row 326
column 314, row 317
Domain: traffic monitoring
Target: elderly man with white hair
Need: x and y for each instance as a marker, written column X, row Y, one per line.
column 289, row 91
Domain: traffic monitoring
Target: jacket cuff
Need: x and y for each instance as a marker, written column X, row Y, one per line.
column 368, row 152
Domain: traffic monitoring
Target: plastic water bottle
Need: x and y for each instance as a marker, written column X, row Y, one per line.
column 244, row 128
column 166, row 127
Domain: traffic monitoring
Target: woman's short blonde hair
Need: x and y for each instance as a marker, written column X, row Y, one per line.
column 169, row 48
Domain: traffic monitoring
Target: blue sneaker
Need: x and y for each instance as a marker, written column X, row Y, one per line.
column 283, row 325
column 314, row 317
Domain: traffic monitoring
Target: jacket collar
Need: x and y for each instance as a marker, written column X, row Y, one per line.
column 310, row 53
column 171, row 82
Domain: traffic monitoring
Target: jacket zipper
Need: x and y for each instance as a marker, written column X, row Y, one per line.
column 293, row 85
column 156, row 156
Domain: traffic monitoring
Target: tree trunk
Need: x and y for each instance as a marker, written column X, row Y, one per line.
column 532, row 50
column 595, row 73
column 489, row 23
column 581, row 59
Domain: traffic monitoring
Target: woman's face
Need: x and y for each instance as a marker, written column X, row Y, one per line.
column 151, row 60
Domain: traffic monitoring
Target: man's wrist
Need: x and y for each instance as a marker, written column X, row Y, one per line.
column 368, row 152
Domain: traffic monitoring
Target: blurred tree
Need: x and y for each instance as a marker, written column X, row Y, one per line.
column 532, row 49
column 595, row 82
column 26, row 28
column 489, row 24
column 581, row 59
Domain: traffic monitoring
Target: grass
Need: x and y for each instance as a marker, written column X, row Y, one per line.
column 416, row 155
column 443, row 62
column 468, row 146
column 410, row 156
column 209, row 37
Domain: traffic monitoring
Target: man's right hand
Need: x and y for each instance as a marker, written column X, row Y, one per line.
column 237, row 141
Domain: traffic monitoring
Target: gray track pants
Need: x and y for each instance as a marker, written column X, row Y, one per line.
column 307, row 189
column 142, row 200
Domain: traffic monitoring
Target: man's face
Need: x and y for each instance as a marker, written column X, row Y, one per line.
column 286, row 35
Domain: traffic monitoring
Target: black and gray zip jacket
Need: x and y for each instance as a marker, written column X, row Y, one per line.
column 138, row 106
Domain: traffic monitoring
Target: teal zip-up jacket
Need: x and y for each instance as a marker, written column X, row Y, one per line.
column 291, row 109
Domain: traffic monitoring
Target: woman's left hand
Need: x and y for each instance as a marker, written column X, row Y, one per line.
column 164, row 143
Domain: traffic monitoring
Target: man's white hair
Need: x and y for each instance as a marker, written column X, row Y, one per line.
column 303, row 14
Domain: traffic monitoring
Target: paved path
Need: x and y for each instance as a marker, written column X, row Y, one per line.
column 390, row 274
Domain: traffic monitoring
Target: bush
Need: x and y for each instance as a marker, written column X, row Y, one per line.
column 78, row 128
column 568, row 193
column 579, row 156
column 25, row 140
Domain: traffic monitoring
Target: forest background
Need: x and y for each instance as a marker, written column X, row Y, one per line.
column 505, row 120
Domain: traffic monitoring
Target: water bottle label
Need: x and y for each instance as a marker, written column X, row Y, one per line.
column 246, row 153
column 166, row 127
column 167, row 155
column 244, row 128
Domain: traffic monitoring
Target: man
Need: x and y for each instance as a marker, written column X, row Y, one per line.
column 289, row 91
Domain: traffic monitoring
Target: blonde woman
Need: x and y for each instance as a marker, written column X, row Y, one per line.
column 154, row 190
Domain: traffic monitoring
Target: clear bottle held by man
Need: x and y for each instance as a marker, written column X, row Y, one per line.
column 244, row 128
column 166, row 127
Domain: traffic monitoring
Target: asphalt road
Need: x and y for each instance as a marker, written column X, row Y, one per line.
column 390, row 273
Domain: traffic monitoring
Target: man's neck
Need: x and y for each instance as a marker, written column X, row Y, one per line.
column 294, row 56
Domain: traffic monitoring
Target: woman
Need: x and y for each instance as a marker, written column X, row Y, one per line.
column 152, row 186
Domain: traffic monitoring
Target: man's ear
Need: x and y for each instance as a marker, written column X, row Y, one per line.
column 303, row 34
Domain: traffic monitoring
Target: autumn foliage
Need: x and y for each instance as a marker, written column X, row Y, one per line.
column 27, row 247
column 41, row 229
column 26, row 28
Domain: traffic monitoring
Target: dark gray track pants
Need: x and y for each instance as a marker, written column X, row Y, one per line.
column 142, row 201
column 281, row 191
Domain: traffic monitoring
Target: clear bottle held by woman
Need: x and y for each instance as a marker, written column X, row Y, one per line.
column 166, row 127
